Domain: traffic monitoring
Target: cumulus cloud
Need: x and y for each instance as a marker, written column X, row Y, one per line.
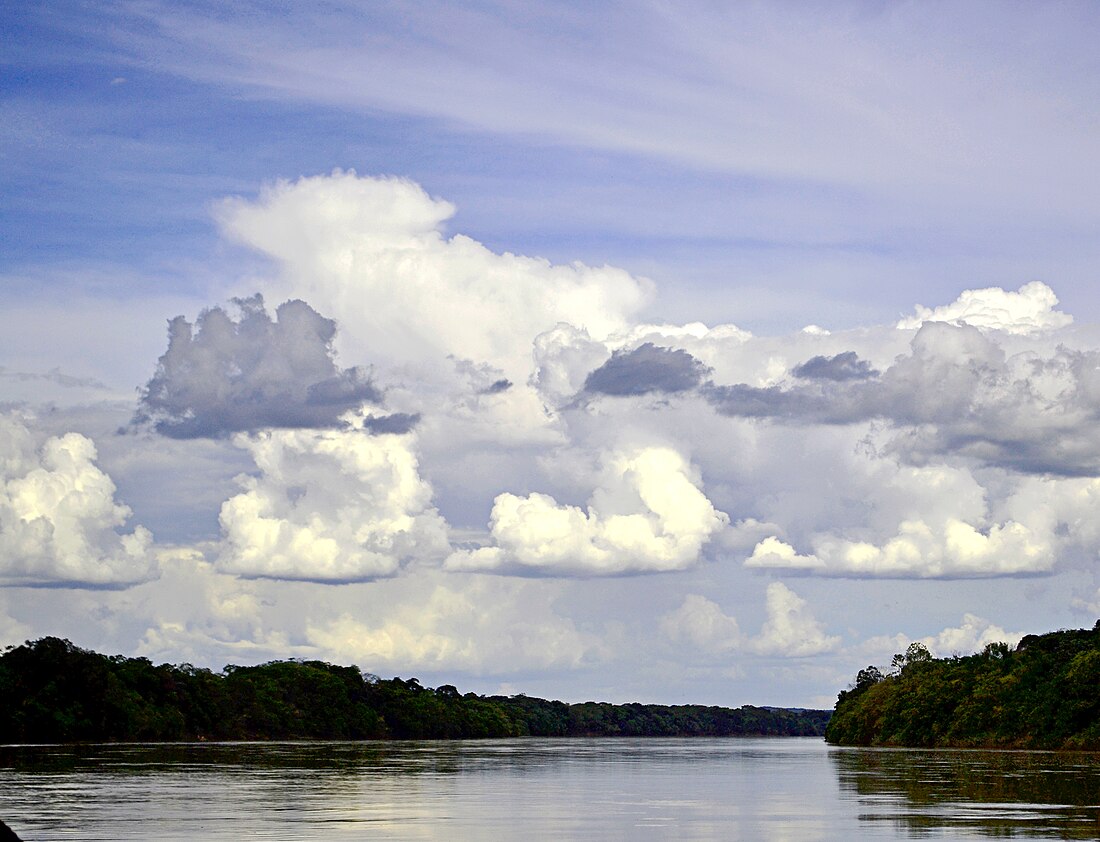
column 564, row 357
column 693, row 336
column 59, row 521
column 373, row 251
column 953, row 549
column 636, row 360
column 790, row 629
column 973, row 634
column 942, row 380
column 202, row 616
column 701, row 623
column 224, row 375
column 945, row 530
column 329, row 506
column 1028, row 310
column 426, row 620
column 647, row 368
column 485, row 625
column 648, row 515
column 771, row 552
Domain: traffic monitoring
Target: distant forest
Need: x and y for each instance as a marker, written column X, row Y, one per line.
column 52, row 691
column 1044, row 694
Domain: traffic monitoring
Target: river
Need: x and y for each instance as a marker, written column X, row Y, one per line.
column 535, row 789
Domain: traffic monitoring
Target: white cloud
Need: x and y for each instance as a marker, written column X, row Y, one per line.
column 372, row 253
column 334, row 506
column 945, row 528
column 1028, row 310
column 564, row 356
column 59, row 521
column 702, row 624
column 426, row 620
column 952, row 549
column 973, row 634
column 648, row 515
column 789, row 631
column 475, row 624
column 198, row 615
column 771, row 552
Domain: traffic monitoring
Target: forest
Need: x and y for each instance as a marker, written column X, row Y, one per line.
column 52, row 691
column 1043, row 694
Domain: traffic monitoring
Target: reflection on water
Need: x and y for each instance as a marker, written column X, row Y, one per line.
column 636, row 789
column 1001, row 794
column 477, row 790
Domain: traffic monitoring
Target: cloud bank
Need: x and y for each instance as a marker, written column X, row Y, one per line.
column 485, row 624
column 956, row 393
column 533, row 485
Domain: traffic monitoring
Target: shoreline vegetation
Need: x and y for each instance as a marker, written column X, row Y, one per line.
column 1044, row 694
column 52, row 691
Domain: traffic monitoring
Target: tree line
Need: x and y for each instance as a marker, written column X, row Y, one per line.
column 54, row 691
column 1043, row 694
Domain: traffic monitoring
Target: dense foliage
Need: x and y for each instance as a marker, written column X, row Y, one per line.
column 1043, row 694
column 53, row 691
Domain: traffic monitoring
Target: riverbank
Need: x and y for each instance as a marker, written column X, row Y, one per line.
column 52, row 691
column 1040, row 695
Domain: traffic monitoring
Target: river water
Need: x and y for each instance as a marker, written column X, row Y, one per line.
column 533, row 789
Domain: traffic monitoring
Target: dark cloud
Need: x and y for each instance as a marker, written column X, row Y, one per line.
column 844, row 366
column 397, row 424
column 497, row 386
column 647, row 368
column 744, row 401
column 222, row 375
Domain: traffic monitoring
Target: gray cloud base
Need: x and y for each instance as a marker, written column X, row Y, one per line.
column 647, row 368
column 955, row 393
column 841, row 367
column 222, row 375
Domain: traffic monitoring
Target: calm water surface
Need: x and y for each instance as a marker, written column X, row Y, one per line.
column 700, row 789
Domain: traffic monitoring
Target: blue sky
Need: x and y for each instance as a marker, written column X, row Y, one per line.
column 540, row 192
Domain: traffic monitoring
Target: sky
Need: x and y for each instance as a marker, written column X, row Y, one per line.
column 691, row 352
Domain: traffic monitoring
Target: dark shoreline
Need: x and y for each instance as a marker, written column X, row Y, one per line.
column 54, row 692
column 1042, row 695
